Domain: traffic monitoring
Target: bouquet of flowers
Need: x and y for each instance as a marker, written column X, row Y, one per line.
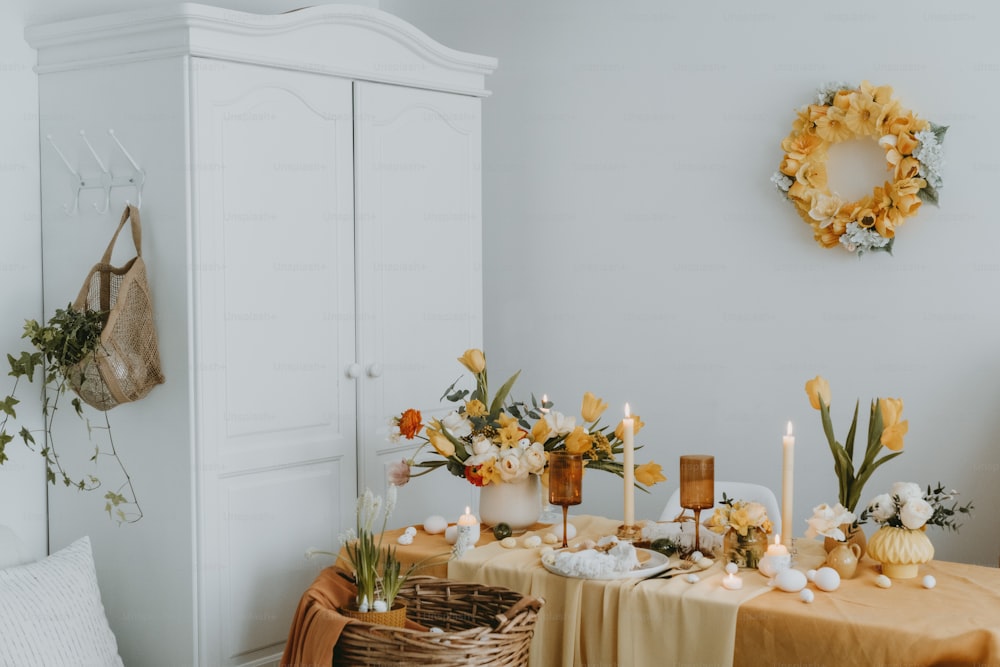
column 885, row 429
column 827, row 521
column 492, row 440
column 907, row 506
column 744, row 526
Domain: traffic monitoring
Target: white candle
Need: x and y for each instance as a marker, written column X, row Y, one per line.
column 777, row 549
column 545, row 399
column 732, row 582
column 469, row 520
column 787, row 470
column 628, row 465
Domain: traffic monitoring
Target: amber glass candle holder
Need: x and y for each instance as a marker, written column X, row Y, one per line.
column 697, row 487
column 565, row 483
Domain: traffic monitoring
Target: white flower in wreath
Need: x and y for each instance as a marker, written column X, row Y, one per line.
column 915, row 512
column 906, row 491
column 457, row 424
column 560, row 423
column 824, row 208
column 510, row 466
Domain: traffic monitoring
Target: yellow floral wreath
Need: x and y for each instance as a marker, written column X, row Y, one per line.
column 912, row 151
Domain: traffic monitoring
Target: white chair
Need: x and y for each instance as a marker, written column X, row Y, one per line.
column 736, row 491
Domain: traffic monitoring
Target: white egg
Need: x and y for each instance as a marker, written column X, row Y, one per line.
column 704, row 563
column 696, row 556
column 436, row 629
column 806, row 595
column 410, row 530
column 532, row 542
column 435, row 524
column 451, row 534
column 405, row 539
column 508, row 543
column 929, row 581
column 827, row 579
column 811, row 575
column 692, row 578
column 570, row 530
column 790, row 581
column 551, row 538
column 883, row 581
column 379, row 605
column 732, row 568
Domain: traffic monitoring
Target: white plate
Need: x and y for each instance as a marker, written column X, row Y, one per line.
column 656, row 563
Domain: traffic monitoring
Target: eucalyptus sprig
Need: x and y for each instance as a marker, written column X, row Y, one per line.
column 68, row 338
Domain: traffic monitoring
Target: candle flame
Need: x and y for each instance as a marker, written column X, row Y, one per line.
column 789, row 428
column 628, row 413
column 777, row 538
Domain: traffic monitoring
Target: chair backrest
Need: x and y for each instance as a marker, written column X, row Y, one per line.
column 737, row 491
column 12, row 549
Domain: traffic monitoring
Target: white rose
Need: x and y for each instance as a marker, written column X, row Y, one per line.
column 483, row 445
column 457, row 424
column 915, row 512
column 882, row 507
column 755, row 513
column 823, row 522
column 560, row 423
column 534, row 458
column 510, row 467
column 906, row 491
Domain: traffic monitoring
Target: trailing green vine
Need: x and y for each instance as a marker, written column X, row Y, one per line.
column 62, row 348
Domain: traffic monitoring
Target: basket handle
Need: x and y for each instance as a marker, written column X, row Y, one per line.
column 133, row 213
column 524, row 604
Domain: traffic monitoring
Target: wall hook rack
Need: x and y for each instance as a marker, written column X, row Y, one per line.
column 106, row 180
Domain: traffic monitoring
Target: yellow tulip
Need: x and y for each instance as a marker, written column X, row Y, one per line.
column 620, row 429
column 892, row 437
column 540, row 431
column 579, row 441
column 816, row 389
column 649, row 474
column 475, row 408
column 592, row 408
column 892, row 410
column 474, row 360
column 439, row 441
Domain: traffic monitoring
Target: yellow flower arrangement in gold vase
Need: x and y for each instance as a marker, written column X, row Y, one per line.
column 495, row 440
column 913, row 158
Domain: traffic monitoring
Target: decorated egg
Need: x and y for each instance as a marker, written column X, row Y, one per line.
column 929, row 582
column 827, row 579
column 883, row 581
column 790, row 581
column 435, row 524
column 806, row 595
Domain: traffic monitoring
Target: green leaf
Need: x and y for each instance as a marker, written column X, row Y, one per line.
column 26, row 436
column 939, row 131
column 497, row 405
column 849, row 445
column 929, row 194
column 7, row 406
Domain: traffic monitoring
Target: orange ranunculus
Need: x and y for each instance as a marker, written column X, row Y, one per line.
column 579, row 441
column 818, row 388
column 832, row 127
column 649, row 474
column 540, row 431
column 475, row 408
column 440, row 441
column 410, row 423
column 474, row 360
column 862, row 115
column 592, row 408
column 620, row 429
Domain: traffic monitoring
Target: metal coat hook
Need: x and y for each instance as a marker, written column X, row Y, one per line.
column 106, row 180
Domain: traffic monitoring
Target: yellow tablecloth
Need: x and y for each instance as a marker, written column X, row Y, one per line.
column 672, row 622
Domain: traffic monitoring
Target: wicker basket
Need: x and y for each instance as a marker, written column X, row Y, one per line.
column 483, row 625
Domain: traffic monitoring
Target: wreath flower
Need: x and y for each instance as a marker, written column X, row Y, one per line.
column 913, row 157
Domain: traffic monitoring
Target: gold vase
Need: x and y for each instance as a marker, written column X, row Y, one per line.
column 745, row 550
column 395, row 617
column 901, row 551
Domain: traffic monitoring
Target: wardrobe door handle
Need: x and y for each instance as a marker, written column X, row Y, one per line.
column 353, row 371
column 374, row 370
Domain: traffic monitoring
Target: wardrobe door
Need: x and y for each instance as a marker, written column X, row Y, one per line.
column 274, row 329
column 419, row 271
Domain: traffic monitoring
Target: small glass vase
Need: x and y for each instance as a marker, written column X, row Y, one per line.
column 745, row 550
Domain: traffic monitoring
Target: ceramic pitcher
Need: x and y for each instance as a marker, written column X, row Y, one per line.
column 844, row 559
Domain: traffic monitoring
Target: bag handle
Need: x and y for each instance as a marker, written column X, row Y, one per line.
column 133, row 213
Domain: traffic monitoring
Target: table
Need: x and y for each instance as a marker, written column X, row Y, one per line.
column 673, row 622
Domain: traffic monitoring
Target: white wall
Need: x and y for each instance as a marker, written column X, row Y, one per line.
column 635, row 248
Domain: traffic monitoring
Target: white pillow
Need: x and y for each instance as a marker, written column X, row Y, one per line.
column 51, row 613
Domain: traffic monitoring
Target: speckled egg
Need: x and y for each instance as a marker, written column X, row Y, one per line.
column 790, row 581
column 435, row 524
column 883, row 581
column 827, row 579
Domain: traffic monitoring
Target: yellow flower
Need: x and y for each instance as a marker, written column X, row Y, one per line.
column 475, row 408
column 510, row 434
column 474, row 360
column 880, row 94
column 592, row 408
column 579, row 441
column 892, row 437
column 862, row 115
column 620, row 429
column 649, row 474
column 832, row 126
column 906, row 143
column 718, row 522
column 842, row 99
column 439, row 441
column 490, row 473
column 789, row 166
column 892, row 409
column 812, row 174
column 816, row 389
column 540, row 431
column 506, row 420
column 800, row 146
column 893, row 429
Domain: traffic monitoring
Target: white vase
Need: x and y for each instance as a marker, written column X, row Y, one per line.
column 513, row 503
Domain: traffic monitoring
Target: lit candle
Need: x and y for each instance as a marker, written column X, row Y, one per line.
column 468, row 519
column 732, row 582
column 628, row 465
column 545, row 399
column 777, row 549
column 467, row 534
column 776, row 559
column 787, row 470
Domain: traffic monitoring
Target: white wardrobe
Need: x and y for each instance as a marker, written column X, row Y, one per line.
column 311, row 201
